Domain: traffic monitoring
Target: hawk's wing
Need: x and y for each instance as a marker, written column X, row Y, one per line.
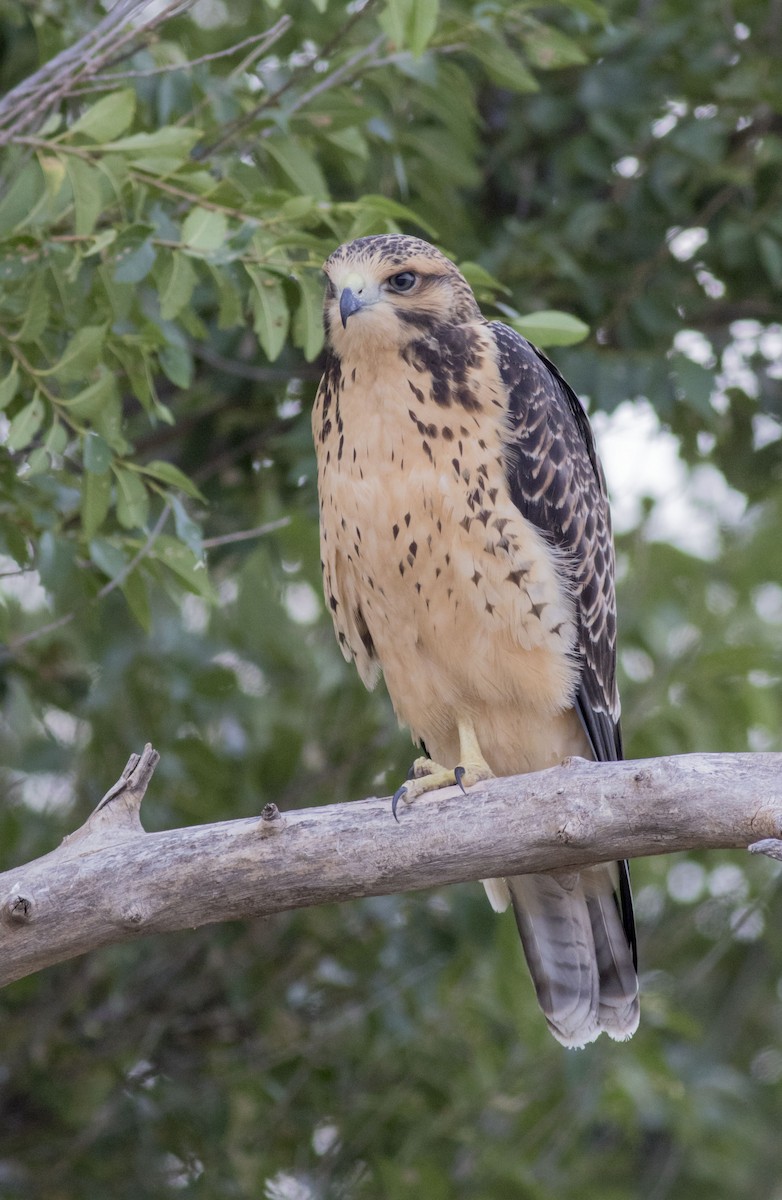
column 555, row 479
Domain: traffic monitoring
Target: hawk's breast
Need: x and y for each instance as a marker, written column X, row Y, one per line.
column 431, row 572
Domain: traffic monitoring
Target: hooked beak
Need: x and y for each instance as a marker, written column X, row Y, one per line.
column 349, row 303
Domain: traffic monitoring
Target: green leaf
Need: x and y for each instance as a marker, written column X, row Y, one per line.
column 374, row 206
column 86, row 184
column 37, row 462
column 503, row 65
column 161, row 152
column 549, row 49
column 107, row 557
column 177, row 364
column 95, row 502
column 350, row 141
column 9, row 385
column 22, row 198
column 179, row 286
column 108, row 422
column 188, row 568
column 36, row 316
column 138, row 365
column 81, row 355
column 410, row 24
column 694, row 384
column 91, row 401
column 230, row 297
column 204, row 230
column 57, row 438
column 14, row 542
column 26, row 424
column 270, row 312
column 299, row 165
column 53, row 169
column 549, row 328
column 299, row 206
column 101, row 241
column 166, row 472
column 97, row 454
column 592, row 9
column 770, row 251
column 132, row 499
column 478, row 277
column 135, row 591
column 308, row 321
column 133, row 263
column 188, row 530
column 422, row 25
column 108, row 117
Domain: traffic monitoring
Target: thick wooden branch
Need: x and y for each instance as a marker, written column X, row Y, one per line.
column 110, row 881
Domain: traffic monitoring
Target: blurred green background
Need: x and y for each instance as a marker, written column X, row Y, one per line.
column 162, row 223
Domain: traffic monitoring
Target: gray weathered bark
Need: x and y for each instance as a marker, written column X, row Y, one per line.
column 110, row 881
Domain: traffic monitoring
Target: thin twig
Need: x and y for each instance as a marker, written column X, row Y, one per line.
column 240, row 123
column 17, row 643
column 245, row 535
column 114, row 77
column 362, row 58
column 141, row 554
column 272, row 35
column 243, row 370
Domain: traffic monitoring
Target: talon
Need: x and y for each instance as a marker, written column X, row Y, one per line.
column 398, row 794
column 459, row 774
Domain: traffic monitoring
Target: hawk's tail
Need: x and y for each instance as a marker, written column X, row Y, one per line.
column 578, row 952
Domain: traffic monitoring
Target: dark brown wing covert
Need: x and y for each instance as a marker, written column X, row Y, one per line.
column 555, row 479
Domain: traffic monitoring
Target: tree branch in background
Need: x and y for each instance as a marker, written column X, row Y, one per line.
column 86, row 65
column 110, row 881
column 28, row 104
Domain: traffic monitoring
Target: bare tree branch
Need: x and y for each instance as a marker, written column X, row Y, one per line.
column 110, row 881
column 28, row 104
column 86, row 66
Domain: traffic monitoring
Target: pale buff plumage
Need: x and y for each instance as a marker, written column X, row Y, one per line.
column 434, row 576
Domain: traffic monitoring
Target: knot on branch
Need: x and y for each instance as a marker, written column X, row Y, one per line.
column 271, row 820
column 19, row 909
column 578, row 829
column 133, row 916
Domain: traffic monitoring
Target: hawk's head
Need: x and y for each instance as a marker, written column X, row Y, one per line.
column 384, row 291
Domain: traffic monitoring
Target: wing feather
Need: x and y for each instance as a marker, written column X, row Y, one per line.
column 548, row 428
column 555, row 479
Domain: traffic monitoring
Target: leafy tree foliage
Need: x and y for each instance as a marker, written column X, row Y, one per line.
column 167, row 198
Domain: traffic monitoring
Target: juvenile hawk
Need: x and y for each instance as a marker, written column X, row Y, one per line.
column 467, row 553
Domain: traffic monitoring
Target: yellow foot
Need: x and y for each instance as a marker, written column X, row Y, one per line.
column 428, row 776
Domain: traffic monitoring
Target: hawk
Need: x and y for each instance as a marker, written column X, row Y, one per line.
column 467, row 554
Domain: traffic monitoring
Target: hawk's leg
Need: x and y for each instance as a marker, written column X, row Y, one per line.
column 429, row 776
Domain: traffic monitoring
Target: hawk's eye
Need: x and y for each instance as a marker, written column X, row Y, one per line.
column 402, row 282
